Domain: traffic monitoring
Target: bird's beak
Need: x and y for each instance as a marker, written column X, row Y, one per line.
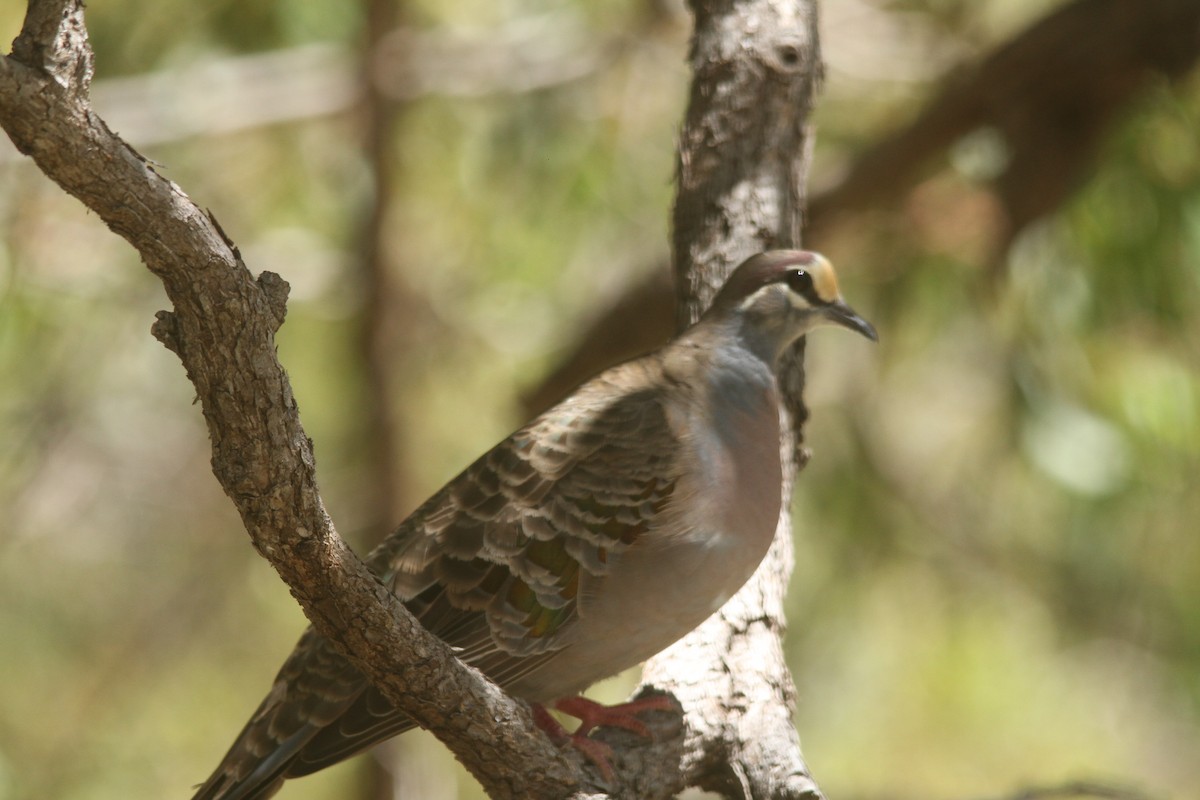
column 842, row 314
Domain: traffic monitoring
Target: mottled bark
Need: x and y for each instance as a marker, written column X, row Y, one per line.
column 743, row 158
column 741, row 187
column 222, row 328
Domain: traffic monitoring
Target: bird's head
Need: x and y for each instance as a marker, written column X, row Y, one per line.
column 780, row 295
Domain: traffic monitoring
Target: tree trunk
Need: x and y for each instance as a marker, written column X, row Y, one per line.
column 743, row 153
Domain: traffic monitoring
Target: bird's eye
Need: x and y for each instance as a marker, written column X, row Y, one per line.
column 800, row 282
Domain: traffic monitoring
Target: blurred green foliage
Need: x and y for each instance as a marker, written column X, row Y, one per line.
column 998, row 577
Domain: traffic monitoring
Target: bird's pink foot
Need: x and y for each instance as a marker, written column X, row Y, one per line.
column 621, row 715
column 596, row 752
column 593, row 715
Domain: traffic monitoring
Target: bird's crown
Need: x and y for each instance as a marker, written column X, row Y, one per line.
column 794, row 280
column 808, row 274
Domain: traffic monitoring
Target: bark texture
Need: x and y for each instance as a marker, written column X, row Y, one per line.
column 222, row 327
column 743, row 157
column 742, row 161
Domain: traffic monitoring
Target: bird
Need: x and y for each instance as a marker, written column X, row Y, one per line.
column 588, row 540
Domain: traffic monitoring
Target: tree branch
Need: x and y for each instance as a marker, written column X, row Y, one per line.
column 1052, row 91
column 222, row 328
column 743, row 157
column 243, row 92
column 749, row 160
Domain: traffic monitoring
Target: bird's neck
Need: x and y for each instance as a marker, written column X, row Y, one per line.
column 742, row 341
column 739, row 383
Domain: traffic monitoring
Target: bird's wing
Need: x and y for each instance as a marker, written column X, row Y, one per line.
column 315, row 686
column 508, row 543
column 493, row 564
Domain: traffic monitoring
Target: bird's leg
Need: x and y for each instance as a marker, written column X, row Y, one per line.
column 594, row 715
column 596, row 752
column 621, row 715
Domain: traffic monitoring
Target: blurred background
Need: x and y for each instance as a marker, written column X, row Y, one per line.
column 998, row 579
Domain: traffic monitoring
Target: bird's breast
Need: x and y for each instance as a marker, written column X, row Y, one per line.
column 727, row 500
column 738, row 475
column 699, row 551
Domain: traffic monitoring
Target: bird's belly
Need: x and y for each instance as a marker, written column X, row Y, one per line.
column 666, row 585
column 656, row 598
column 698, row 553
